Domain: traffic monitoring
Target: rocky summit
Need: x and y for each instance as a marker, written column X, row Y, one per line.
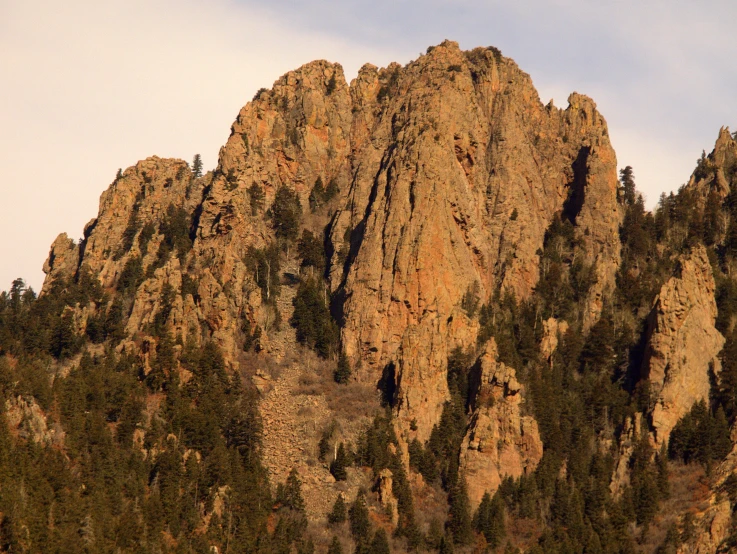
column 420, row 311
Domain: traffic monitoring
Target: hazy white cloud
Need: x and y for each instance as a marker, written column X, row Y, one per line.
column 89, row 87
column 92, row 86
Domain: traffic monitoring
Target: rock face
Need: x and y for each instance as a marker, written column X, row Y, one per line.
column 386, row 496
column 683, row 343
column 552, row 331
column 500, row 441
column 717, row 172
column 29, row 421
column 63, row 259
column 627, row 442
column 446, row 174
column 457, row 171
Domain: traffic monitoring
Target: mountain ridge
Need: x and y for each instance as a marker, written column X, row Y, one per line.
column 468, row 259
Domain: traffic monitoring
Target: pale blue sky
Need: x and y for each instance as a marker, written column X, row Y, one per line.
column 89, row 87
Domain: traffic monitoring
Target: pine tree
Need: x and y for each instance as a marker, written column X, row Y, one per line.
column 489, row 519
column 459, row 515
column 306, row 546
column 335, row 546
column 338, row 465
column 338, row 514
column 380, row 544
column 197, row 166
column 256, row 197
column 359, row 517
column 722, row 442
column 331, row 85
column 627, row 178
column 446, row 544
column 286, row 213
column 342, row 372
column 290, row 495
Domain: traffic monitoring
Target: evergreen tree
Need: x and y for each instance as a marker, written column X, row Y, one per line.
column 311, row 250
column 359, row 518
column 265, row 264
column 380, row 544
column 459, row 516
column 197, row 166
column 306, row 547
column 256, row 198
column 446, row 544
column 627, row 178
column 722, row 441
column 662, row 462
column 335, row 546
column 330, row 88
column 312, row 319
column 290, row 495
column 286, row 213
column 338, row 465
column 342, row 372
column 489, row 519
column 338, row 514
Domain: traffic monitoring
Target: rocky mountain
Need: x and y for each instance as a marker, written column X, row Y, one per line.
column 423, row 295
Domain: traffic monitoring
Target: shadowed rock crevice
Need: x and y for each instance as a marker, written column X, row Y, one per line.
column 577, row 188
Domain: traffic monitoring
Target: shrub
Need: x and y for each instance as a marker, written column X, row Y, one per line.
column 330, row 88
column 259, row 93
column 320, row 195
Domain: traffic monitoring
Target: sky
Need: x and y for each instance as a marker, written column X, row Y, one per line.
column 89, row 87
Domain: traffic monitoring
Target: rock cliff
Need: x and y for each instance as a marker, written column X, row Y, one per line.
column 716, row 172
column 462, row 176
column 448, row 171
column 683, row 342
column 501, row 440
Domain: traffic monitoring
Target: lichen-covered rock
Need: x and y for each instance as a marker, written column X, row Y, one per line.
column 501, row 441
column 683, row 343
